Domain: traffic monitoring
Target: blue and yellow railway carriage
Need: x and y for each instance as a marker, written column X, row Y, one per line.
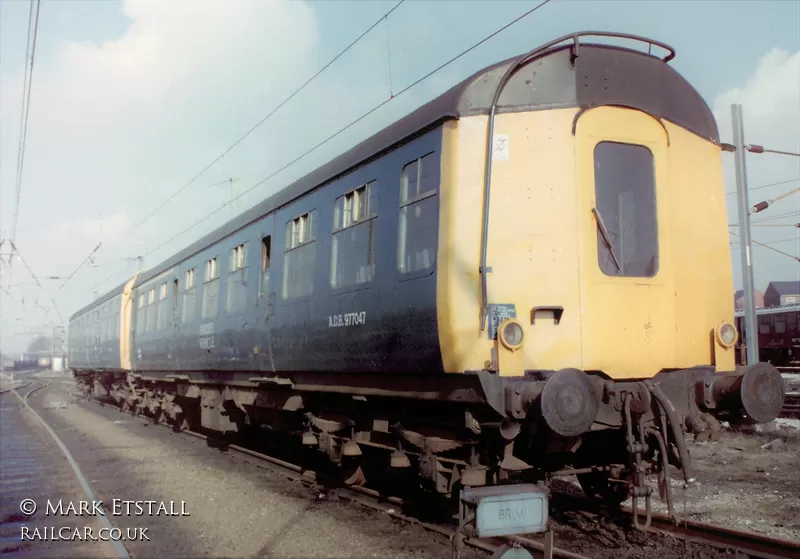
column 506, row 283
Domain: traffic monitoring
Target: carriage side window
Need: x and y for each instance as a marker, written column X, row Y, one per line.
column 210, row 289
column 764, row 325
column 163, row 306
column 625, row 211
column 355, row 233
column 266, row 254
column 140, row 314
column 237, row 280
column 189, row 297
column 417, row 231
column 103, row 331
column 103, row 336
column 151, row 310
column 299, row 258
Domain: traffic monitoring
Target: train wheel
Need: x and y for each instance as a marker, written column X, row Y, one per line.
column 598, row 485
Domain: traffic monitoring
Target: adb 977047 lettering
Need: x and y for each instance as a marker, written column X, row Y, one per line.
column 509, row 283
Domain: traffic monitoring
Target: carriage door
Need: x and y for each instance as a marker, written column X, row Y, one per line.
column 627, row 284
column 266, row 297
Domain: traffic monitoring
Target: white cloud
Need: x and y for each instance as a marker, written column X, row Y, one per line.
column 770, row 100
column 87, row 231
column 115, row 127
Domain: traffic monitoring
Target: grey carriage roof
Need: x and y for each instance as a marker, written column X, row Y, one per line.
column 601, row 75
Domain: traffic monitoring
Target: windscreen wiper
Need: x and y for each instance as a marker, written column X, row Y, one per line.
column 606, row 237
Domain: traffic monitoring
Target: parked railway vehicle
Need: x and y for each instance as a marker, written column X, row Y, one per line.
column 507, row 284
column 25, row 364
column 778, row 335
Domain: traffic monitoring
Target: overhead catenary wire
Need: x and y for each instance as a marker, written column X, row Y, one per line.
column 252, row 129
column 26, row 104
column 343, row 129
column 87, row 259
column 263, row 120
column 786, row 240
column 784, row 215
column 16, row 251
column 769, row 225
column 766, row 186
column 118, row 272
column 762, row 221
column 793, row 257
column 60, row 316
column 22, row 118
column 761, row 206
column 755, row 148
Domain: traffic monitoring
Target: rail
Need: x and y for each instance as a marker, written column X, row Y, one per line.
column 753, row 544
column 750, row 543
column 119, row 548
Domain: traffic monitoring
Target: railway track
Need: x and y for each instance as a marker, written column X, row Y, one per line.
column 32, row 476
column 791, row 406
column 750, row 544
column 372, row 499
column 366, row 497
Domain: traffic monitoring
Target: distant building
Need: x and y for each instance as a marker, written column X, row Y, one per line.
column 782, row 293
column 738, row 299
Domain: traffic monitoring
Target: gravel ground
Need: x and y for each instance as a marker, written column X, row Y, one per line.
column 239, row 509
column 739, row 484
column 746, row 480
column 749, row 481
column 236, row 508
column 32, row 468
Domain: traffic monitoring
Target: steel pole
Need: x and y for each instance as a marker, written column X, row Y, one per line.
column 751, row 327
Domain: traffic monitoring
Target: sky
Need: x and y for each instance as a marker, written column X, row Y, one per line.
column 132, row 99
